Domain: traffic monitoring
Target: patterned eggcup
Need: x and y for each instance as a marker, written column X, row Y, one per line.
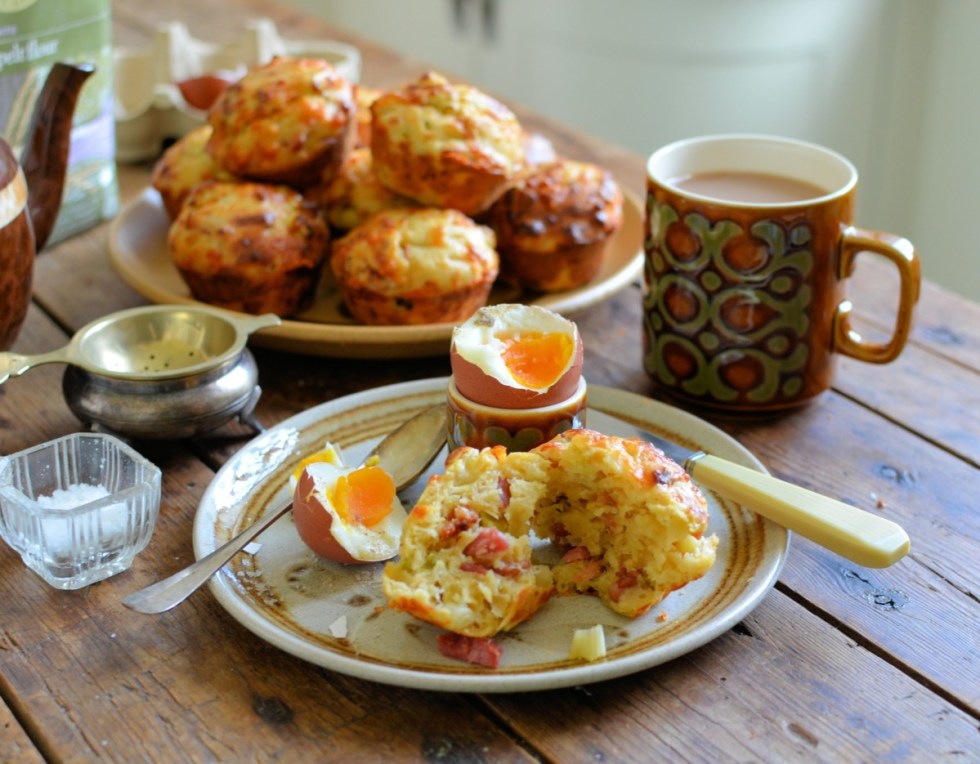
column 473, row 424
column 744, row 301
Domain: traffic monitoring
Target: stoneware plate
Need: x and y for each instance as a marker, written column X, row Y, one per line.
column 138, row 251
column 334, row 616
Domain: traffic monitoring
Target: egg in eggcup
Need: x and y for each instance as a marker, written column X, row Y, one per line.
column 417, row 265
column 289, row 121
column 445, row 144
column 554, row 225
column 517, row 378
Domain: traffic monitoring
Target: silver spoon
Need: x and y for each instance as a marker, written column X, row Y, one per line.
column 405, row 453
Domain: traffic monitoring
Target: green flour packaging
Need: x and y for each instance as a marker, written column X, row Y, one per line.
column 34, row 35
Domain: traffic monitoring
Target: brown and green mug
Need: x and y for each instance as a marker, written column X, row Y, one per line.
column 749, row 243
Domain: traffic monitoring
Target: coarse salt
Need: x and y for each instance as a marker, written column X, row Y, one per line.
column 60, row 532
column 73, row 496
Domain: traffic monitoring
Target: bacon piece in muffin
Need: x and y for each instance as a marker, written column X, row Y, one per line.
column 465, row 556
column 183, row 167
column 288, row 121
column 445, row 144
column 554, row 226
column 252, row 247
column 415, row 266
column 630, row 520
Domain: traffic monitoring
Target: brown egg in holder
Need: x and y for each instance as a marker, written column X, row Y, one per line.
column 517, row 378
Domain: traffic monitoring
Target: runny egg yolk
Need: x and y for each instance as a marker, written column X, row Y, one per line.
column 328, row 455
column 364, row 496
column 537, row 359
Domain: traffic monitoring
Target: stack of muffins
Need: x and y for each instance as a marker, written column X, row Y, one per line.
column 418, row 199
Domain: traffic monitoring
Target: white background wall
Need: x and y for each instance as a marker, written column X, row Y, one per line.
column 893, row 84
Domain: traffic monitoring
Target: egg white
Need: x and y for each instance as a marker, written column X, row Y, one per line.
column 478, row 339
column 379, row 542
column 329, row 453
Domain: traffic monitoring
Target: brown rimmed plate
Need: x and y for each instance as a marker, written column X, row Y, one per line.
column 138, row 252
column 334, row 616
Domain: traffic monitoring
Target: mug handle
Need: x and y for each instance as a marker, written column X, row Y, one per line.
column 901, row 252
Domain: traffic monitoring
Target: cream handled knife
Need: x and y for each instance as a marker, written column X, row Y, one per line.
column 860, row 536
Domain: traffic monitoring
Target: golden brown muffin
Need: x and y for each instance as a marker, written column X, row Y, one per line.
column 288, row 121
column 465, row 554
column 183, row 167
column 354, row 193
column 364, row 97
column 251, row 247
column 554, row 226
column 630, row 520
column 446, row 145
column 415, row 266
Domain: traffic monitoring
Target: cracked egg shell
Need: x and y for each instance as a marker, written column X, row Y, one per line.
column 350, row 516
column 513, row 356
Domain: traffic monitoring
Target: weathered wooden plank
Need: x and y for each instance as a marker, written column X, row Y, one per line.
column 783, row 686
column 922, row 611
column 15, row 745
column 194, row 684
column 931, row 394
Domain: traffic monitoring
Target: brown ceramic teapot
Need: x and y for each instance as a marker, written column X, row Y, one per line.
column 30, row 192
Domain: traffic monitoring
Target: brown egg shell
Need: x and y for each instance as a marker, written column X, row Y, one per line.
column 201, row 92
column 481, row 388
column 314, row 522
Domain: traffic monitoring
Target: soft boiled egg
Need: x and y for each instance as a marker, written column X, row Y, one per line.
column 516, row 357
column 348, row 515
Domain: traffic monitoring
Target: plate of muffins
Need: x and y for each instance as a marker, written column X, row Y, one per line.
column 377, row 620
column 371, row 221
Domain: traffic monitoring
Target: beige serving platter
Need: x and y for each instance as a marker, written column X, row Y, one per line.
column 138, row 251
column 334, row 616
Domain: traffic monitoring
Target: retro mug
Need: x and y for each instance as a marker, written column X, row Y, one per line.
column 749, row 244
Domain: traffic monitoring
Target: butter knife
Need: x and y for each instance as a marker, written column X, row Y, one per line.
column 855, row 534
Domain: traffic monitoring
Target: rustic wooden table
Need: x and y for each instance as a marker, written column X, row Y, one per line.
column 838, row 663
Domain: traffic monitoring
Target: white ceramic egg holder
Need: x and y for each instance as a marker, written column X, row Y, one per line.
column 149, row 107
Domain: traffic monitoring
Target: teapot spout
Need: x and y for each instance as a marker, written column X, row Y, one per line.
column 45, row 158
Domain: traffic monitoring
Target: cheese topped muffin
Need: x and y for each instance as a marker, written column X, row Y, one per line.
column 415, row 266
column 288, row 121
column 465, row 555
column 354, row 193
column 554, row 225
column 631, row 521
column 183, row 167
column 252, row 247
column 445, row 144
column 628, row 520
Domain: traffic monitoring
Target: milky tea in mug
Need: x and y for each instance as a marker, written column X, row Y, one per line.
column 749, row 243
